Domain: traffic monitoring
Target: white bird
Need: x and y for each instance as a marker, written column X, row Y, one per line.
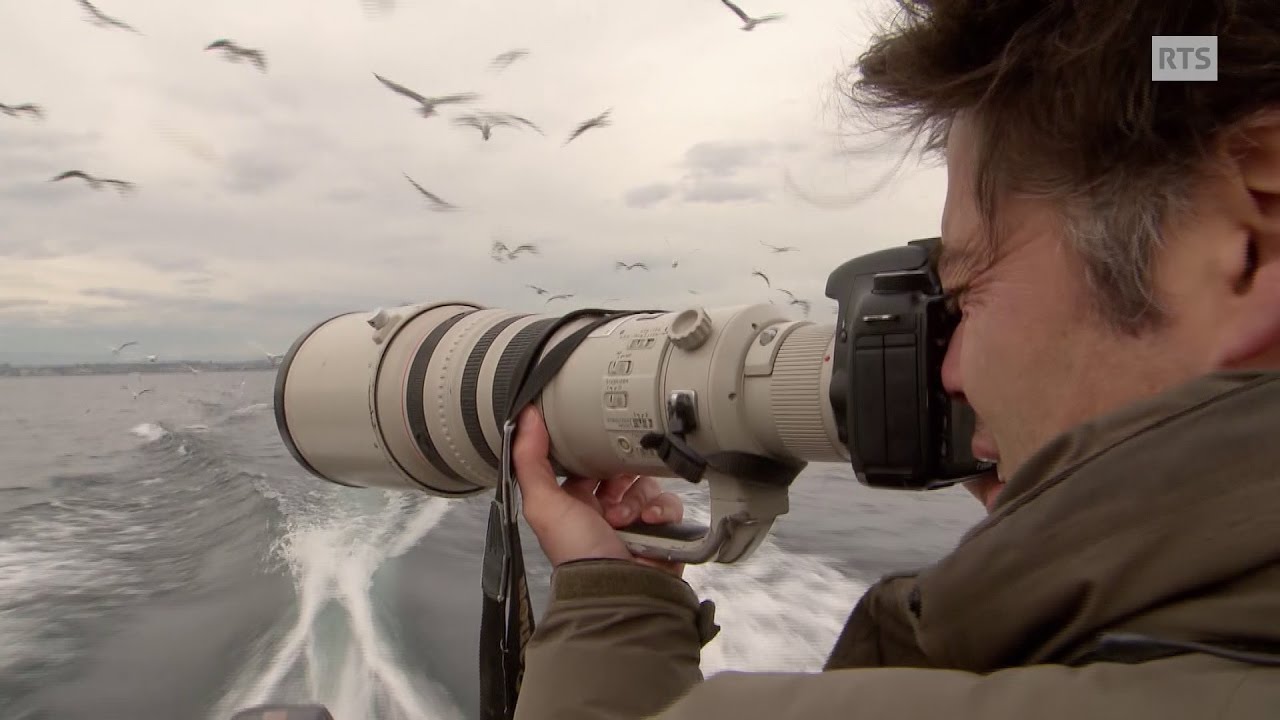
column 116, row 350
column 601, row 120
column 504, row 60
column 193, row 371
column 235, row 53
column 151, row 358
column 750, row 23
column 275, row 358
column 485, row 122
column 537, row 289
column 618, row 265
column 437, row 204
column 101, row 19
column 501, row 253
column 95, row 183
column 676, row 262
column 31, row 109
column 428, row 104
column 781, row 248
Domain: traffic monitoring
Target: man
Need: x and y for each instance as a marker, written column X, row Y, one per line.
column 1113, row 246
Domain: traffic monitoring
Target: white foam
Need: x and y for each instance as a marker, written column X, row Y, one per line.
column 149, row 431
column 777, row 611
column 333, row 550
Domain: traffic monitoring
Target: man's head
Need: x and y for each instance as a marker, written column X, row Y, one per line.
column 1107, row 237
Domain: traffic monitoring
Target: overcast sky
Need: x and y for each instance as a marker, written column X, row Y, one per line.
column 268, row 202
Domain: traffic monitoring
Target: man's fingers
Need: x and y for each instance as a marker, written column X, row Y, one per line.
column 583, row 490
column 666, row 508
column 642, row 492
column 529, row 451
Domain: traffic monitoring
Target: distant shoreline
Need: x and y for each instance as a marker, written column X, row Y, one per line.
column 125, row 368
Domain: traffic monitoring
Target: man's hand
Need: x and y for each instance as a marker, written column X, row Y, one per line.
column 577, row 520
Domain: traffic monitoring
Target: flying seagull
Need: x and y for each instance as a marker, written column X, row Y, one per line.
column 275, row 358
column 151, row 358
column 139, row 393
column 235, row 53
column 537, row 289
column 95, row 182
column 780, row 249
column 601, row 120
column 803, row 304
column 633, row 266
column 750, row 23
column 790, row 295
column 504, row 60
column 428, row 103
column 376, row 7
column 116, row 350
column 559, row 297
column 31, row 109
column 676, row 262
column 500, row 252
column 436, row 203
column 486, row 122
column 762, row 276
column 101, row 19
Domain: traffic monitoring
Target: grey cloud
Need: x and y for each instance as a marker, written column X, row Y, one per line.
column 6, row 303
column 713, row 191
column 125, row 294
column 249, row 172
column 647, row 196
column 171, row 261
column 725, row 159
column 25, row 249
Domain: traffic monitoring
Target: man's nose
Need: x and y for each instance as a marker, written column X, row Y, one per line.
column 951, row 381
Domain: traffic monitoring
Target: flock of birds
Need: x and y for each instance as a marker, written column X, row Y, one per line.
column 485, row 121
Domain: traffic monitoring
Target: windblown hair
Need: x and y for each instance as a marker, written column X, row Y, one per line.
column 1064, row 107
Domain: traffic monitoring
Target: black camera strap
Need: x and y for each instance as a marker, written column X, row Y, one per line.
column 506, row 620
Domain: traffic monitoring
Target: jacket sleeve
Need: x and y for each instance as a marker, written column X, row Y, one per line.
column 618, row 640
column 621, row 641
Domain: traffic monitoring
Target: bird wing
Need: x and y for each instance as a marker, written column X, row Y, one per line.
column 598, row 121
column 258, row 58
column 536, row 289
column 221, row 43
column 498, row 247
column 469, row 121
column 32, row 108
column 788, row 293
column 559, row 297
column 508, row 119
column 641, row 265
column 401, row 89
column 505, row 59
column 73, row 173
column 762, row 276
column 525, row 248
column 124, row 185
column 619, row 265
column 770, row 18
column 457, row 98
column 736, row 10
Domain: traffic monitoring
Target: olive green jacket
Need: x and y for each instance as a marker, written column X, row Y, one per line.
column 1115, row 546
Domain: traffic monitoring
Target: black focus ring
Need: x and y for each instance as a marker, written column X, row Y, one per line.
column 470, row 387
column 413, row 397
column 521, row 344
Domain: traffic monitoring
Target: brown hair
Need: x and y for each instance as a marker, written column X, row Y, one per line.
column 1064, row 107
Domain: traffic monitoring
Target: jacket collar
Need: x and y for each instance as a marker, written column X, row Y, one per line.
column 1126, row 521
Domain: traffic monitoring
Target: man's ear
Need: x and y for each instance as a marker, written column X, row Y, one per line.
column 1254, row 335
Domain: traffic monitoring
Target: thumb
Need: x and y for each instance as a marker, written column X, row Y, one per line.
column 530, row 453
